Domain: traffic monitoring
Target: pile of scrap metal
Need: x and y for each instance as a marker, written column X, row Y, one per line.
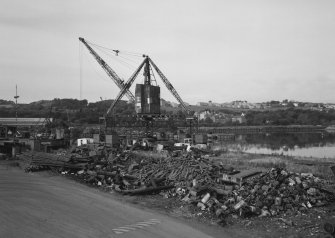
column 271, row 193
column 131, row 173
column 207, row 184
column 195, row 178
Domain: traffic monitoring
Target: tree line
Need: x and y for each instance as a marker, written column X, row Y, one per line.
column 81, row 111
column 290, row 117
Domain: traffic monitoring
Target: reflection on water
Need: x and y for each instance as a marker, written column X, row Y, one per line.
column 320, row 145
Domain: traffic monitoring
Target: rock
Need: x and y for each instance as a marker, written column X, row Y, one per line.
column 298, row 180
column 80, row 171
column 201, row 206
column 205, row 198
column 291, row 182
column 240, row 204
column 193, row 193
column 218, row 212
column 278, row 201
column 312, row 191
column 255, row 210
column 264, row 213
column 186, row 198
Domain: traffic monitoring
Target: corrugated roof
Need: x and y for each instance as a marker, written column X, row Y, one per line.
column 23, row 121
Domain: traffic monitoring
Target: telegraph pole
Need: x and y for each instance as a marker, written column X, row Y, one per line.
column 16, row 97
column 15, row 132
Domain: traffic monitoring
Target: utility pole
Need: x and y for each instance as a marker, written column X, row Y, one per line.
column 16, row 97
column 15, row 132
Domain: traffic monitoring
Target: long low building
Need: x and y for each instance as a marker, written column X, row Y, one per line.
column 24, row 121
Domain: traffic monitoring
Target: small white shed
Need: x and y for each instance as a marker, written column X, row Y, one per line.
column 84, row 141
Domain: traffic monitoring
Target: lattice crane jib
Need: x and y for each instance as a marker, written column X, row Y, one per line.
column 110, row 72
column 169, row 86
column 125, row 87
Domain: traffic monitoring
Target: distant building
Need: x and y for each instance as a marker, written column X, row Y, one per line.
column 203, row 115
column 202, row 104
column 174, row 104
column 208, row 104
column 258, row 105
column 24, row 121
column 238, row 119
column 221, row 118
column 226, row 104
column 329, row 106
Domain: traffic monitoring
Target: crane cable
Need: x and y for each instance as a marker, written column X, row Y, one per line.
column 120, row 59
column 151, row 69
column 136, row 54
column 93, row 69
column 80, row 69
column 124, row 63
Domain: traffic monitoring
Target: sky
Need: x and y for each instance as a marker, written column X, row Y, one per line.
column 216, row 50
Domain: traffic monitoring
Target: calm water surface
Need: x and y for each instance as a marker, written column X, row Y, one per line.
column 319, row 145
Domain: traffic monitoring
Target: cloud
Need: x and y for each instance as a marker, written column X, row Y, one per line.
column 215, row 50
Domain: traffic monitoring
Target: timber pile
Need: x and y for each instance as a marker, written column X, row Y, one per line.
column 132, row 174
column 195, row 178
column 41, row 160
column 198, row 180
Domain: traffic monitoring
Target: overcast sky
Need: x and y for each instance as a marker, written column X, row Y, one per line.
column 215, row 50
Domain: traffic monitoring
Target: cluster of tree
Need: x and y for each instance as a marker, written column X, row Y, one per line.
column 68, row 110
column 80, row 111
column 5, row 102
column 69, row 103
column 290, row 117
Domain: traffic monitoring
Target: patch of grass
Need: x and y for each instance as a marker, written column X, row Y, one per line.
column 269, row 162
column 242, row 161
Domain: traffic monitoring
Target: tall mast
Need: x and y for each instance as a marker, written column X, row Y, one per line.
column 16, row 97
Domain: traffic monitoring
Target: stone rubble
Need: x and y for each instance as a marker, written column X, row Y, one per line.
column 193, row 177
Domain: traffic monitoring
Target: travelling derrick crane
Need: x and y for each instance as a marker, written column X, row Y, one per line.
column 110, row 72
column 147, row 62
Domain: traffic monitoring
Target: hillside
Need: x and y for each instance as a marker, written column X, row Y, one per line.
column 81, row 111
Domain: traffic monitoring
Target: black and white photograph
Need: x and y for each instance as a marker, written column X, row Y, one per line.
column 152, row 118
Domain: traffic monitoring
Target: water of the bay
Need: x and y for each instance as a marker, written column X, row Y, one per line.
column 318, row 145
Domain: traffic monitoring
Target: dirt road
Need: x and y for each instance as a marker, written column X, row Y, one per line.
column 33, row 206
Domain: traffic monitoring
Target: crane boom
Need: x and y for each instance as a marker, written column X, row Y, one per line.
column 111, row 73
column 169, row 86
column 126, row 87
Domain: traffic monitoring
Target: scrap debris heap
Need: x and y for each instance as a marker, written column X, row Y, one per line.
column 194, row 177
